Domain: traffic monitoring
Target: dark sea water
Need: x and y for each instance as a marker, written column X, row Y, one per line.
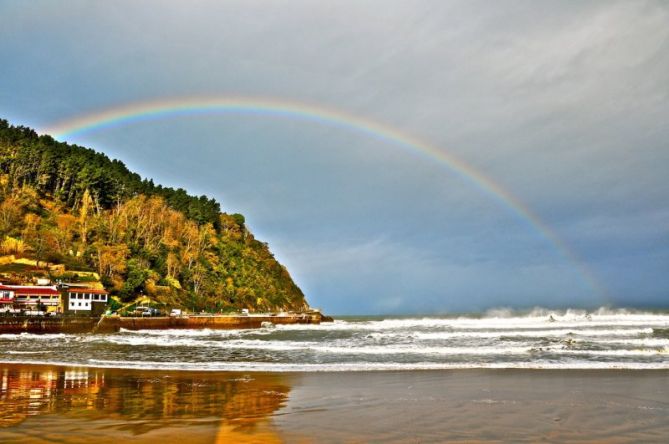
column 571, row 339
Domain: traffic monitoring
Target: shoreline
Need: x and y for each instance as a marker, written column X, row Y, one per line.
column 494, row 370
column 283, row 369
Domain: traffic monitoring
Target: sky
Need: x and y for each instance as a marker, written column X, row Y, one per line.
column 565, row 105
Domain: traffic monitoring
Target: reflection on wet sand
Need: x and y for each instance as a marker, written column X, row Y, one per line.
column 49, row 403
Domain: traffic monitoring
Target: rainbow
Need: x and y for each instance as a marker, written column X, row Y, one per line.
column 153, row 110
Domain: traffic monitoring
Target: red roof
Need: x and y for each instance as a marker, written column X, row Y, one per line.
column 26, row 290
column 87, row 290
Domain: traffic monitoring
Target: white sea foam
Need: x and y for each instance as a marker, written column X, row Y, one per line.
column 175, row 332
column 33, row 336
column 645, row 342
column 500, row 339
column 206, row 332
column 625, row 332
column 351, row 348
column 344, row 367
column 513, row 323
column 154, row 340
column 638, row 352
column 26, row 352
column 388, row 351
column 370, row 366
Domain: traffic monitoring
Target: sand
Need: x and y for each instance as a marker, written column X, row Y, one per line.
column 40, row 404
column 480, row 405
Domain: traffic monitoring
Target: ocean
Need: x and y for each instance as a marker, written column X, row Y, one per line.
column 503, row 339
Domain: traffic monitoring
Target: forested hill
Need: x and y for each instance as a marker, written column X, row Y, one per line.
column 67, row 204
column 66, row 171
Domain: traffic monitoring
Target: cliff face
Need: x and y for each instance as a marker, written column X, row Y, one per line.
column 62, row 203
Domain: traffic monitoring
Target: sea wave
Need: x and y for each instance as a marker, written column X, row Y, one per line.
column 498, row 323
column 534, row 333
column 497, row 339
column 344, row 347
column 26, row 352
column 34, row 336
column 342, row 367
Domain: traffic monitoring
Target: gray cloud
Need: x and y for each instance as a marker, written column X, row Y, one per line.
column 565, row 104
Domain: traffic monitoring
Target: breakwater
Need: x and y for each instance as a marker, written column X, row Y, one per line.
column 39, row 324
column 111, row 324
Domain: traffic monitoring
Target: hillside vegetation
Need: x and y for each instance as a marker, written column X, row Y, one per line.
column 67, row 204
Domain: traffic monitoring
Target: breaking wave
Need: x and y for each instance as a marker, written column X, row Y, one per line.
column 541, row 339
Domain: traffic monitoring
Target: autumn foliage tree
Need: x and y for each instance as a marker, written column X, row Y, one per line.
column 67, row 204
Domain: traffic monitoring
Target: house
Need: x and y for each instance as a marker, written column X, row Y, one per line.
column 6, row 297
column 85, row 301
column 69, row 299
column 34, row 297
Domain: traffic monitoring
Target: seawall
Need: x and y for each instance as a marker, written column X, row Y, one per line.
column 35, row 324
column 110, row 324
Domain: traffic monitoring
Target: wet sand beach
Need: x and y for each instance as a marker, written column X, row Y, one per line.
column 44, row 404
